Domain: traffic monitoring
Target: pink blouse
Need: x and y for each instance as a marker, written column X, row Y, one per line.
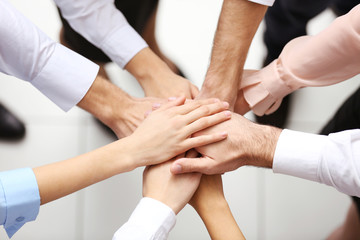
column 327, row 58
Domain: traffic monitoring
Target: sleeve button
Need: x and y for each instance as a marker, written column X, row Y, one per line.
column 20, row 219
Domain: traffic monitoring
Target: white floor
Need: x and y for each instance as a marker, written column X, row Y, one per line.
column 266, row 206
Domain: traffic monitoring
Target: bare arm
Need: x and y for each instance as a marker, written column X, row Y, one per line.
column 147, row 145
column 210, row 203
column 239, row 20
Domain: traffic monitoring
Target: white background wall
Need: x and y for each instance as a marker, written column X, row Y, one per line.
column 266, row 206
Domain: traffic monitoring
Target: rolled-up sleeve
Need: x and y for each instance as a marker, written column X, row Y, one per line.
column 104, row 26
column 19, row 199
column 27, row 53
column 327, row 58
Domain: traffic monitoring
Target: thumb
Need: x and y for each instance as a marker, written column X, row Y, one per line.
column 186, row 165
column 194, row 91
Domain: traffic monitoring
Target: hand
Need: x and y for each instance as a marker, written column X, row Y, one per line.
column 247, row 144
column 209, row 191
column 210, row 203
column 169, row 84
column 157, row 79
column 174, row 191
column 166, row 132
column 127, row 117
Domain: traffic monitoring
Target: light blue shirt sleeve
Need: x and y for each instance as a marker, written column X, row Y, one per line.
column 19, row 199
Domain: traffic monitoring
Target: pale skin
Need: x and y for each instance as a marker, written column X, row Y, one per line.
column 174, row 191
column 237, row 25
column 210, row 203
column 248, row 143
column 174, row 121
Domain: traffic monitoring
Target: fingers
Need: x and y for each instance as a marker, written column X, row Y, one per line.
column 186, row 165
column 171, row 103
column 194, row 91
column 206, row 122
column 205, row 110
column 202, row 140
column 192, row 105
column 192, row 153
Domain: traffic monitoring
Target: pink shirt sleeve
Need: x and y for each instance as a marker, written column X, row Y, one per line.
column 327, row 58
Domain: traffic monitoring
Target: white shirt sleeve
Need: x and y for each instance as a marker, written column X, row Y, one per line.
column 333, row 160
column 263, row 2
column 102, row 24
column 151, row 220
column 27, row 53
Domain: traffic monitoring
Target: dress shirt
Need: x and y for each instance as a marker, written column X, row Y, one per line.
column 333, row 160
column 27, row 53
column 102, row 24
column 327, row 58
column 151, row 220
column 264, row 2
column 19, row 199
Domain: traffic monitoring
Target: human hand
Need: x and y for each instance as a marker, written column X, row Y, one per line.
column 174, row 191
column 128, row 116
column 210, row 191
column 167, row 131
column 170, row 84
column 248, row 143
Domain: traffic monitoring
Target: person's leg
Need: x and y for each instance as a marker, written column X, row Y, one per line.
column 11, row 128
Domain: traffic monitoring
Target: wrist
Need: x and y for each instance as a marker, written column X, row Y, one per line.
column 262, row 152
column 147, row 67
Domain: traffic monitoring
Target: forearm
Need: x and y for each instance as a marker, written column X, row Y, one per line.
column 60, row 179
column 29, row 54
column 219, row 221
column 106, row 102
column 238, row 22
column 104, row 26
column 148, row 68
column 307, row 61
column 332, row 160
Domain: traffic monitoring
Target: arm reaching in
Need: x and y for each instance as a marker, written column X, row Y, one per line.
column 238, row 22
column 210, row 203
column 307, row 61
column 163, row 135
column 164, row 196
column 247, row 144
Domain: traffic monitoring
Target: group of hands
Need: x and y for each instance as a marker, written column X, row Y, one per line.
column 181, row 138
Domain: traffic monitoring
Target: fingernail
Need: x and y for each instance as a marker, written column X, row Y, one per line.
column 226, row 104
column 177, row 168
column 156, row 105
column 224, row 134
column 172, row 98
column 227, row 113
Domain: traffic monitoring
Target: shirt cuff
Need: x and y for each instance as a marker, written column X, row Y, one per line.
column 123, row 45
column 66, row 77
column 264, row 89
column 21, row 199
column 299, row 154
column 263, row 2
column 151, row 219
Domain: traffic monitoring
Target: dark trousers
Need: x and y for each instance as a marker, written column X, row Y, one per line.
column 347, row 117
